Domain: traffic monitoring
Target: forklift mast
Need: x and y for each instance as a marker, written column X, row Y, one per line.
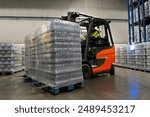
column 71, row 16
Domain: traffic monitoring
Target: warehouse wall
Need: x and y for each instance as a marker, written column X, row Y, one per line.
column 15, row 30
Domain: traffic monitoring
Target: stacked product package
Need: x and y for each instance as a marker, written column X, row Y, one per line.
column 135, row 11
column 123, row 56
column 149, row 6
column 146, row 5
column 148, row 56
column 130, row 57
column 10, row 58
column 138, row 56
column 148, row 32
column 136, row 36
column 57, row 54
column 142, row 34
column 140, row 53
column 23, row 56
column 141, row 12
column 117, row 61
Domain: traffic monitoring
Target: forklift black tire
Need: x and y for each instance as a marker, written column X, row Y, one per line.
column 112, row 70
column 87, row 71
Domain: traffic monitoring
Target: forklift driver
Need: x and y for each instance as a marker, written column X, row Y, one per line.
column 96, row 33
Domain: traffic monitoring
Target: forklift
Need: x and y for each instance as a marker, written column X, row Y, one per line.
column 98, row 52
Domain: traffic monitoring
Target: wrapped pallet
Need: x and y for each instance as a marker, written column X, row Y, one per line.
column 123, row 56
column 130, row 57
column 10, row 58
column 140, row 53
column 30, row 56
column 148, row 32
column 148, row 56
column 57, row 54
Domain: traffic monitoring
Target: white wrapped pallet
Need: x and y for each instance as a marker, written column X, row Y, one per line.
column 148, row 32
column 130, row 57
column 135, row 14
column 146, row 5
column 136, row 36
column 10, row 58
column 141, row 12
column 23, row 55
column 140, row 53
column 57, row 54
column 148, row 56
column 117, row 54
column 149, row 7
column 123, row 56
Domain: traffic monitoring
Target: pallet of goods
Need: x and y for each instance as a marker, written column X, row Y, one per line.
column 53, row 55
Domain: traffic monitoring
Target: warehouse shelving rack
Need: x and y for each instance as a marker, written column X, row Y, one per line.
column 141, row 22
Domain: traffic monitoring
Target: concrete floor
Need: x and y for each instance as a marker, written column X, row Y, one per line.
column 126, row 84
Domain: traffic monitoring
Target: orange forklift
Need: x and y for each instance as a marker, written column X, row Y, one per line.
column 98, row 51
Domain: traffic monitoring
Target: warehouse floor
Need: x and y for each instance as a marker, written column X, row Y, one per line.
column 126, row 84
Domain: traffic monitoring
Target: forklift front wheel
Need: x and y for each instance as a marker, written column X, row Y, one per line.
column 86, row 69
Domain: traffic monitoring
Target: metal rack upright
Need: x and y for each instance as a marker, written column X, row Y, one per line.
column 141, row 23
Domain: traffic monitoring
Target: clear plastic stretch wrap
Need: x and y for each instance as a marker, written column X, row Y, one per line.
column 57, row 50
column 138, row 56
column 30, row 56
column 10, row 57
column 140, row 53
column 148, row 56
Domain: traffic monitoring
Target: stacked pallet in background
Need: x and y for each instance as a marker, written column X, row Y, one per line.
column 147, row 8
column 117, row 61
column 121, row 55
column 148, row 56
column 10, row 58
column 138, row 56
column 135, row 10
column 23, row 56
column 148, row 32
column 130, row 57
column 53, row 54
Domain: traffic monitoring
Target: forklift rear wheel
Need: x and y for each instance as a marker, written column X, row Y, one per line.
column 86, row 69
column 112, row 70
